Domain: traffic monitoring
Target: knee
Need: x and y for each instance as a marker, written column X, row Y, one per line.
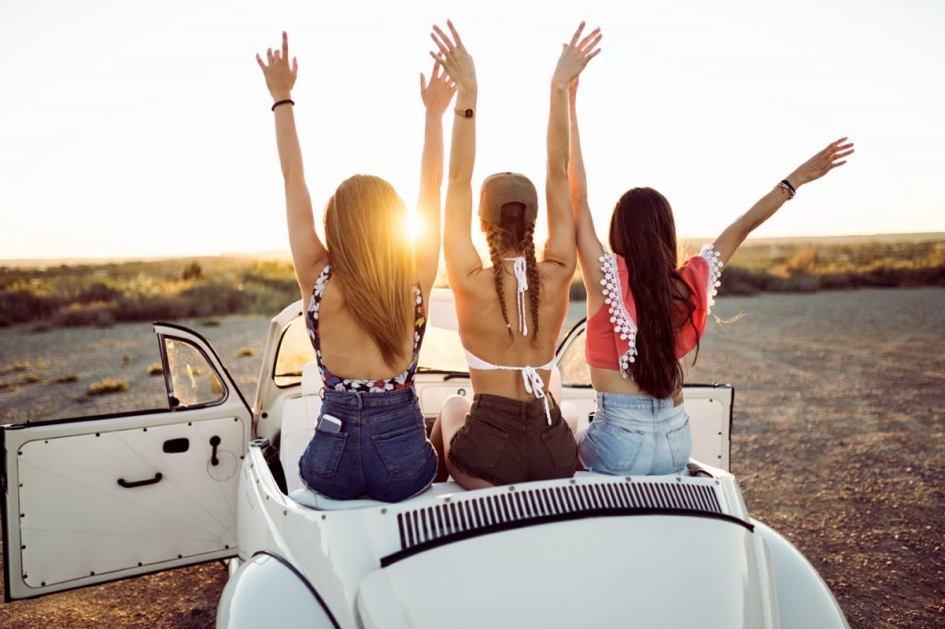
column 455, row 406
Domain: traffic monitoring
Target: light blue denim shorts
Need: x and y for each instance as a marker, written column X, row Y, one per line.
column 635, row 435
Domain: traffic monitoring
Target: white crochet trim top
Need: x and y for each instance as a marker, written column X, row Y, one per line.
column 623, row 323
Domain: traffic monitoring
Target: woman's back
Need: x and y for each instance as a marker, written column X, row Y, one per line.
column 484, row 333
column 347, row 351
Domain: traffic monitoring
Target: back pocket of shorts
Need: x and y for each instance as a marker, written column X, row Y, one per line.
column 561, row 445
column 478, row 445
column 404, row 452
column 618, row 447
column 680, row 444
column 323, row 454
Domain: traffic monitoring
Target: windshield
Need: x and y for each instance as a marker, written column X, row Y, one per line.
column 441, row 351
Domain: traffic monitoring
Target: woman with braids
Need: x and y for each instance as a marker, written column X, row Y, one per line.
column 645, row 312
column 365, row 294
column 509, row 313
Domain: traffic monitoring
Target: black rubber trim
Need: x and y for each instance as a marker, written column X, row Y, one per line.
column 302, row 578
column 548, row 519
column 3, row 514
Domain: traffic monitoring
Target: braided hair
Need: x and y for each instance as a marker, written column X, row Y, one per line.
column 514, row 232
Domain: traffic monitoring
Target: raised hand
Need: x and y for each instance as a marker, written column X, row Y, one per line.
column 437, row 94
column 280, row 78
column 575, row 56
column 822, row 163
column 453, row 57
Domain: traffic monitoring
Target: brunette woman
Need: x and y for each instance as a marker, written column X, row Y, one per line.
column 509, row 313
column 645, row 312
column 365, row 291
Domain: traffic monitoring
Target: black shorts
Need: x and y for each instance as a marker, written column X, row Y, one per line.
column 506, row 441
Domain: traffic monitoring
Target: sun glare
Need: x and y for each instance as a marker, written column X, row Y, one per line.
column 412, row 226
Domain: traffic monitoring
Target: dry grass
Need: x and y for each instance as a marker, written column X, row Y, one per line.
column 106, row 386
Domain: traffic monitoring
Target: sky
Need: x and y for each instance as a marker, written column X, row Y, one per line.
column 133, row 129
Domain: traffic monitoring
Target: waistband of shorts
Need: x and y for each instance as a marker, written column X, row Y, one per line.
column 360, row 399
column 607, row 400
column 532, row 409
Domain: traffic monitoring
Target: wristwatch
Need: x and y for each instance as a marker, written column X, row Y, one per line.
column 464, row 113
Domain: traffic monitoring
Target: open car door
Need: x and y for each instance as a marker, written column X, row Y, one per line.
column 96, row 499
column 709, row 405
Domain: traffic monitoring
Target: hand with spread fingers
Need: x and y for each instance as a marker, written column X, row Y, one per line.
column 575, row 56
column 438, row 92
column 454, row 58
column 822, row 163
column 280, row 77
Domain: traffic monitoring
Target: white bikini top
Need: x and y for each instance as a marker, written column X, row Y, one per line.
column 533, row 382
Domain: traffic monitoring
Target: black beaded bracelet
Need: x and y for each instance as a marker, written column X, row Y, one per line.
column 282, row 102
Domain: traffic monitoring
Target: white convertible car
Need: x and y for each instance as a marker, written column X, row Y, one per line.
column 212, row 477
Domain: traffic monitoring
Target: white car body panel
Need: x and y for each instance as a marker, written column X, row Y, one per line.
column 679, row 550
column 73, row 524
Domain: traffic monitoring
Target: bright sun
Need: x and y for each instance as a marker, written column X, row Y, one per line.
column 412, row 226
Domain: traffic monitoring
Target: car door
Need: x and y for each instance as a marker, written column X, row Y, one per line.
column 95, row 499
column 709, row 405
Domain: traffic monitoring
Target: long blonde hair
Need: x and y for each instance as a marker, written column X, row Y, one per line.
column 368, row 249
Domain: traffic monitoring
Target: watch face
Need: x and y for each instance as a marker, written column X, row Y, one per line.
column 468, row 113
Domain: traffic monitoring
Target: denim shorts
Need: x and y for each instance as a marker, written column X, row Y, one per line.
column 636, row 435
column 381, row 452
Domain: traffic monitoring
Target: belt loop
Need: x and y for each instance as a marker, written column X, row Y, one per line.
column 360, row 400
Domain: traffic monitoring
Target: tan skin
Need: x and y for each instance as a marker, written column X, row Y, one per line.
column 481, row 326
column 346, row 349
column 590, row 247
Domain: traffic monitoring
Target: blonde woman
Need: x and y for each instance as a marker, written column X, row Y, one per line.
column 365, row 290
column 509, row 313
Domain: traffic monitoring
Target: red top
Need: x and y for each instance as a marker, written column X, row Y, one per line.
column 612, row 330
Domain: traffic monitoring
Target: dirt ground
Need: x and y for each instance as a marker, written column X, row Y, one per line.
column 838, row 442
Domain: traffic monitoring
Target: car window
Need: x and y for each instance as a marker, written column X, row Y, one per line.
column 442, row 351
column 573, row 366
column 295, row 351
column 194, row 382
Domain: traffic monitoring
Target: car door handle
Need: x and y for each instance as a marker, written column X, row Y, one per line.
column 140, row 483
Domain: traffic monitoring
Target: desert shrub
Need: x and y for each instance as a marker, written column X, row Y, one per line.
column 106, row 386
column 18, row 306
column 97, row 291
column 245, row 351
column 210, row 323
column 192, row 271
column 6, row 385
column 29, row 378
column 65, row 378
column 126, row 359
column 155, row 369
column 76, row 317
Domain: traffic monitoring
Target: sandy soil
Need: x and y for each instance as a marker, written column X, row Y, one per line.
column 838, row 444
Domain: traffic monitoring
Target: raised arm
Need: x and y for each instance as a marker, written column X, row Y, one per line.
column 574, row 58
column 458, row 250
column 436, row 98
column 588, row 246
column 814, row 168
column 308, row 253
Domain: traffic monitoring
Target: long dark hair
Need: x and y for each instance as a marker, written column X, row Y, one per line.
column 643, row 231
column 514, row 232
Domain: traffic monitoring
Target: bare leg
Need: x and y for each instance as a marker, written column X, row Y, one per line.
column 436, row 438
column 451, row 419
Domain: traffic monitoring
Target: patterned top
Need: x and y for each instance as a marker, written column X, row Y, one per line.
column 332, row 381
column 612, row 330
